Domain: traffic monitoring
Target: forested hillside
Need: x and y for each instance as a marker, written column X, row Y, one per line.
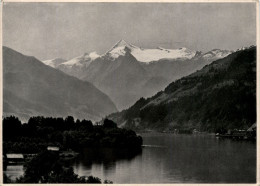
column 220, row 96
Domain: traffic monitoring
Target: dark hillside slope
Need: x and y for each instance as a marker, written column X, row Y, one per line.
column 222, row 95
column 31, row 88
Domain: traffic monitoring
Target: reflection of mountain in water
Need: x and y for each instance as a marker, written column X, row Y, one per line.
column 105, row 156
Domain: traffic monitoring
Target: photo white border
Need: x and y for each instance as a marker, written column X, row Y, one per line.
column 146, row 1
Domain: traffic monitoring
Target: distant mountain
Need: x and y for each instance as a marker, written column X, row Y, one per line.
column 54, row 62
column 127, row 72
column 31, row 88
column 121, row 78
column 148, row 55
column 172, row 69
column 154, row 84
column 77, row 66
column 222, row 95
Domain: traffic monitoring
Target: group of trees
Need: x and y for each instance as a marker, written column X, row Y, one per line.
column 40, row 132
column 47, row 167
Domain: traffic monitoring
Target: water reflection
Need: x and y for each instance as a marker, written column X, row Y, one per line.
column 103, row 162
column 203, row 159
column 168, row 158
column 13, row 171
column 106, row 156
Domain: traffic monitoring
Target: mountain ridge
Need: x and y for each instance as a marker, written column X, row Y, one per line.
column 220, row 96
column 102, row 71
column 33, row 83
column 122, row 44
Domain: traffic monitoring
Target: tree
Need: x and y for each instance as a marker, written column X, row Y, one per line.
column 92, row 179
column 88, row 125
column 11, row 127
column 109, row 124
column 69, row 122
column 47, row 168
column 108, row 182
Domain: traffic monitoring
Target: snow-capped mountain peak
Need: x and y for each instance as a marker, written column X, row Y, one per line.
column 120, row 49
column 54, row 62
column 148, row 55
column 77, row 66
column 121, row 43
column 216, row 53
column 82, row 60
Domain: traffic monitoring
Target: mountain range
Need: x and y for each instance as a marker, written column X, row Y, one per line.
column 220, row 96
column 127, row 72
column 31, row 88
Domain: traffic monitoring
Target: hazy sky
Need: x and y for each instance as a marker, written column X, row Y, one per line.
column 50, row 30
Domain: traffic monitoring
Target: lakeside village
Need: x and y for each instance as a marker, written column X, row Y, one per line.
column 236, row 134
column 20, row 158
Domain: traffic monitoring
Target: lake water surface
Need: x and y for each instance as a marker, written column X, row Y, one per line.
column 169, row 158
column 173, row 158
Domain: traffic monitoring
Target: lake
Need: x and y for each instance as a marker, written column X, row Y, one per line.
column 169, row 158
column 174, row 158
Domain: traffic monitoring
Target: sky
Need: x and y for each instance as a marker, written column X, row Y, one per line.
column 67, row 30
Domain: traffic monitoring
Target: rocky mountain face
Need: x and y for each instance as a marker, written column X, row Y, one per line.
column 127, row 72
column 121, row 79
column 220, row 96
column 31, row 88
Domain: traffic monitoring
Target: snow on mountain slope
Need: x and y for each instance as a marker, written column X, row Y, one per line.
column 119, row 49
column 216, row 54
column 54, row 62
column 148, row 55
column 159, row 53
column 244, row 48
column 82, row 60
column 77, row 66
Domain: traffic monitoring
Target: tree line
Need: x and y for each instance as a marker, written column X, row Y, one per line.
column 67, row 134
column 40, row 132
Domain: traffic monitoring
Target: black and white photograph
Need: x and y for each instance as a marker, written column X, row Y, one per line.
column 129, row 92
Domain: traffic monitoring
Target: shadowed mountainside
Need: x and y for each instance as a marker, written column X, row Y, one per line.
column 31, row 88
column 127, row 72
column 222, row 95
